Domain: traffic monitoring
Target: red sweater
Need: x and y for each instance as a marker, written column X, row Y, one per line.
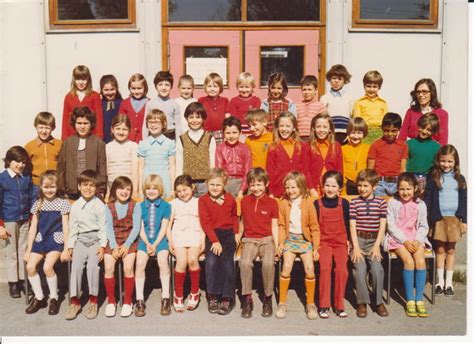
column 93, row 102
column 318, row 164
column 217, row 217
column 136, row 119
column 238, row 107
column 216, row 108
column 279, row 164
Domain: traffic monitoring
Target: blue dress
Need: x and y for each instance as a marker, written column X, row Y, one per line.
column 156, row 152
column 162, row 211
column 50, row 236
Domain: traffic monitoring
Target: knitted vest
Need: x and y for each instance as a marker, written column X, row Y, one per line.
column 196, row 156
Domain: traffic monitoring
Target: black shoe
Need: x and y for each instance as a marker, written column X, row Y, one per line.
column 226, row 306
column 439, row 290
column 53, row 307
column 14, row 290
column 449, row 292
column 267, row 309
column 247, row 307
column 213, row 304
column 36, row 305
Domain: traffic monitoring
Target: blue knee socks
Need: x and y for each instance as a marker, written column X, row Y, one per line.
column 420, row 281
column 408, row 282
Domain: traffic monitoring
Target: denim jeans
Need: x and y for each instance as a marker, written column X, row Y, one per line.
column 220, row 270
column 384, row 188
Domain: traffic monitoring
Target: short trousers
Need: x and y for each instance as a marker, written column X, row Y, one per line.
column 448, row 229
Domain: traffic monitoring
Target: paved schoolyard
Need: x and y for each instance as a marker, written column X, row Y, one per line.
column 447, row 317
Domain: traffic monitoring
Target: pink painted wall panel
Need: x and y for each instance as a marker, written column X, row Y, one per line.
column 178, row 39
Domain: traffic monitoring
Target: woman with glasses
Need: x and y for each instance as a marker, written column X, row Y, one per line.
column 424, row 100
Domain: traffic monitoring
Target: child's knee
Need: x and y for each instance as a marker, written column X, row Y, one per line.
column 128, row 270
column 309, row 270
column 109, row 269
column 31, row 269
column 48, row 269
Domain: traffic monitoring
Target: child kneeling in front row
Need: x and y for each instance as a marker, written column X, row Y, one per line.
column 86, row 243
column 260, row 238
column 218, row 216
column 298, row 234
column 367, row 219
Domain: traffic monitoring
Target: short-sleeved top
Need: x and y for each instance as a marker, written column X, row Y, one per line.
column 421, row 155
column 156, row 152
column 388, row 156
column 257, row 214
column 367, row 213
column 54, row 209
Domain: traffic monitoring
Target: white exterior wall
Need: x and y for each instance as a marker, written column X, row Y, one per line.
column 36, row 64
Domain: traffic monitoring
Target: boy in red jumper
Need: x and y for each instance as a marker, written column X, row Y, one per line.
column 218, row 216
column 260, row 238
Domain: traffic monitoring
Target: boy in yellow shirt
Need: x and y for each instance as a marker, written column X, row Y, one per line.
column 371, row 107
column 260, row 139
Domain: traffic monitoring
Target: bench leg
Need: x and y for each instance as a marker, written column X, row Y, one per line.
column 69, row 282
column 389, row 279
column 27, row 288
column 433, row 279
column 120, row 270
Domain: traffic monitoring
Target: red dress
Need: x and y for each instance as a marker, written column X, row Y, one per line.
column 122, row 228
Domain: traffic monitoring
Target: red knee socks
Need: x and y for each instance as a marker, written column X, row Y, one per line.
column 129, row 285
column 179, row 278
column 194, row 276
column 110, row 289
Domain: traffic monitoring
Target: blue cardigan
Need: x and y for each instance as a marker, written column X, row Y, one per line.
column 17, row 195
column 432, row 202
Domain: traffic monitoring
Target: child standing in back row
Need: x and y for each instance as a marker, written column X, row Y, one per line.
column 134, row 105
column 371, row 107
column 186, row 89
column 239, row 106
column 217, row 107
column 338, row 100
column 446, row 199
column 309, row 107
column 82, row 95
column 111, row 100
column 276, row 103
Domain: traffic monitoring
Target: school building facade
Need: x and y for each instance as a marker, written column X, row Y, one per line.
column 405, row 40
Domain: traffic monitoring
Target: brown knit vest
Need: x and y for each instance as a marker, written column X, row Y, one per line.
column 196, row 156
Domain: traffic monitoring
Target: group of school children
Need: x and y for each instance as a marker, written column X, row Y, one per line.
column 293, row 163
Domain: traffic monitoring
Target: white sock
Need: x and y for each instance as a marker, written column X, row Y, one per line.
column 440, row 273
column 53, row 286
column 139, row 286
column 449, row 278
column 165, row 286
column 36, row 285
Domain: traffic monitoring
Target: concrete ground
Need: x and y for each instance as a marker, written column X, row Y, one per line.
column 14, row 321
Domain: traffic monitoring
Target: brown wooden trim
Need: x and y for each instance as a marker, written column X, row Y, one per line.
column 432, row 22
column 260, row 28
column 244, row 8
column 164, row 12
column 322, row 62
column 164, row 49
column 55, row 23
column 240, row 24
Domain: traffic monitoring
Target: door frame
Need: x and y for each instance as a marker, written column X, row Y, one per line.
column 243, row 26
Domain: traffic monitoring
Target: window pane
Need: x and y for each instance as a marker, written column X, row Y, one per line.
column 283, row 10
column 204, row 10
column 92, row 9
column 395, row 9
column 201, row 61
column 288, row 60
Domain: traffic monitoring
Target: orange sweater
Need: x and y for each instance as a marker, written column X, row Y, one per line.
column 309, row 221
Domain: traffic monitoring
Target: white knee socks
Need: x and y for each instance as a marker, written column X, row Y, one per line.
column 53, row 286
column 440, row 273
column 449, row 278
column 165, row 286
column 139, row 286
column 36, row 285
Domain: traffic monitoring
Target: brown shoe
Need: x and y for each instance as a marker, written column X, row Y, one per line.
column 382, row 311
column 165, row 307
column 36, row 305
column 362, row 310
column 73, row 311
column 247, row 307
column 140, row 308
column 267, row 309
column 53, row 307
